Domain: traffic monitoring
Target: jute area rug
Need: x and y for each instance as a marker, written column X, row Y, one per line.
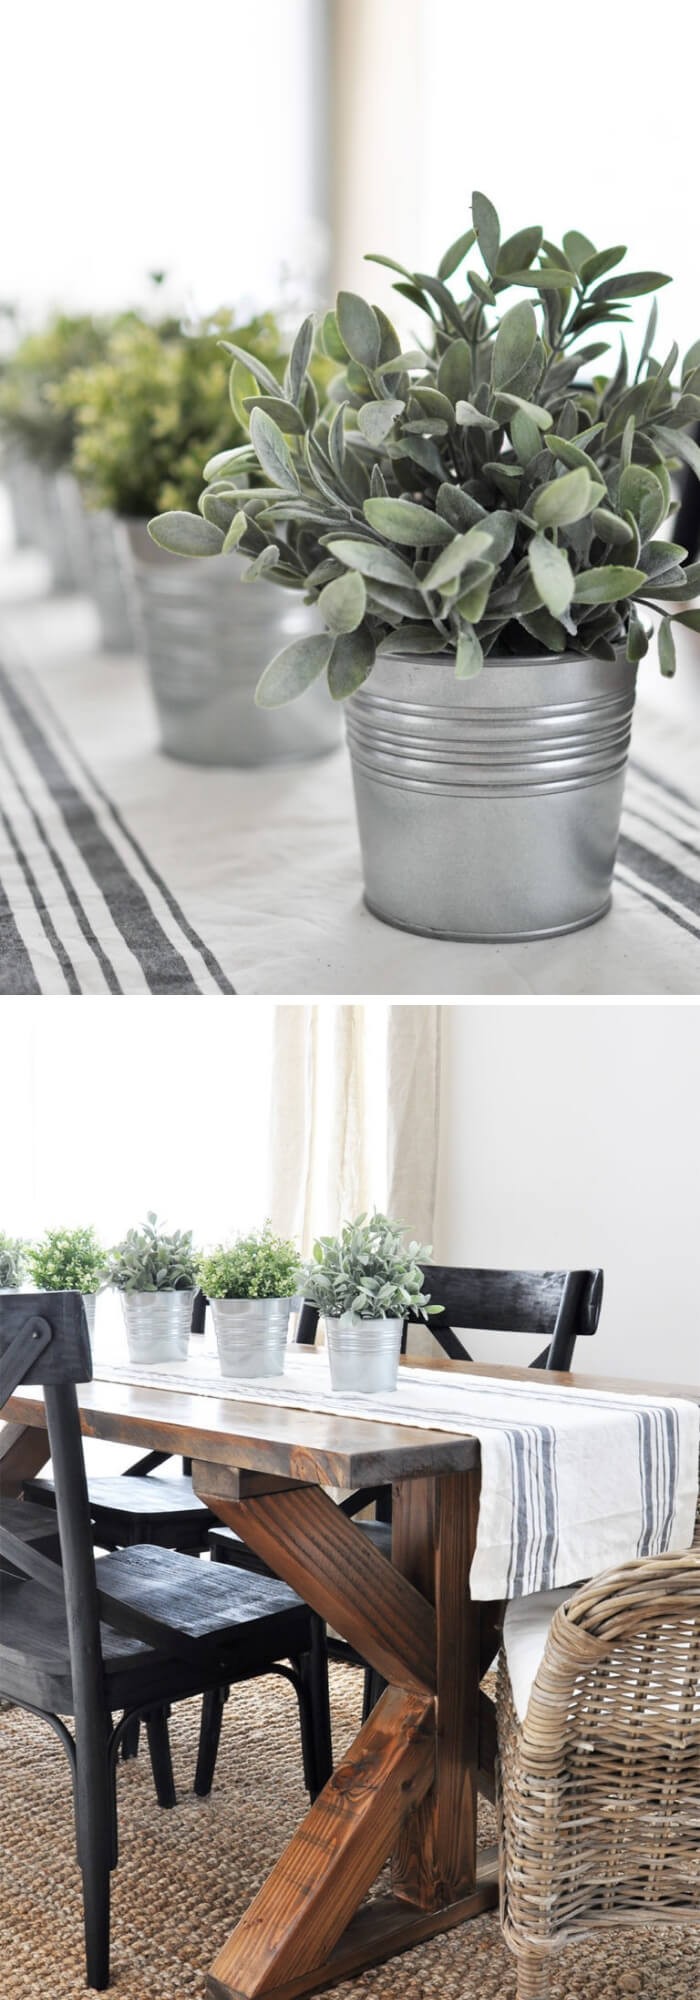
column 185, row 1875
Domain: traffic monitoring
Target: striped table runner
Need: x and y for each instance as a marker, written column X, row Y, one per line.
column 573, row 1481
column 125, row 872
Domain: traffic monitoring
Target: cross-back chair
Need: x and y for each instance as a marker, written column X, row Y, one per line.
column 86, row 1638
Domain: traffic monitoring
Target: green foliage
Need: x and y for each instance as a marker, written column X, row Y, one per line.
column 258, row 1266
column 67, row 1260
column 152, row 1260
column 493, row 491
column 154, row 410
column 13, row 1262
column 33, row 418
column 369, row 1270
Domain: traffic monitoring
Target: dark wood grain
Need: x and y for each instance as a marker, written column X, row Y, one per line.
column 306, row 1539
column 433, row 1542
column 23, row 1451
column 67, row 1358
column 315, row 1888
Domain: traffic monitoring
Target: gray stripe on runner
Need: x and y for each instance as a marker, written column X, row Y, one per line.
column 57, row 946
column 72, row 896
column 163, row 965
column 17, row 973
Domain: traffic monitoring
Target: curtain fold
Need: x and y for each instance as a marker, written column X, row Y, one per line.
column 355, row 1116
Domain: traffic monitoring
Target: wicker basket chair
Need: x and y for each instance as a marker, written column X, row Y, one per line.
column 599, row 1786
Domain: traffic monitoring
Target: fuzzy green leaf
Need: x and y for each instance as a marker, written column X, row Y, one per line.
column 470, row 657
column 273, row 451
column 294, row 669
column 359, row 328
column 413, row 638
column 631, row 285
column 667, row 649
column 351, row 661
column 552, row 573
column 283, row 413
column 488, row 229
column 577, row 248
column 563, row 500
column 376, row 420
column 405, row 522
column 373, row 561
column 342, row 603
column 514, row 343
column 637, row 640
column 607, row 584
column 641, row 494
column 456, row 254
column 233, row 536
column 186, row 534
column 517, row 253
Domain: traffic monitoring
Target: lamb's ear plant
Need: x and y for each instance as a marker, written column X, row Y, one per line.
column 259, row 1265
column 153, row 1259
column 369, row 1270
column 67, row 1260
column 13, row 1262
column 499, row 488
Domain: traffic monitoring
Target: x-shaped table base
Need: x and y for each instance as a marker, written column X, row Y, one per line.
column 407, row 1788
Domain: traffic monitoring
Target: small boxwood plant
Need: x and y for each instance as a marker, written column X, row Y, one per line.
column 257, row 1266
column 34, row 420
column 13, row 1262
column 154, row 407
column 153, row 1259
column 497, row 488
column 67, row 1260
column 369, row 1270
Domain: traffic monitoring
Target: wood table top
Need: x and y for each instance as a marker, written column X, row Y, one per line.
column 299, row 1444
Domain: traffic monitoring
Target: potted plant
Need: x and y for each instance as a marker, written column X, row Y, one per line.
column 364, row 1282
column 13, row 1262
column 38, row 431
column 147, row 418
column 495, row 500
column 69, row 1260
column 155, row 1272
column 250, row 1285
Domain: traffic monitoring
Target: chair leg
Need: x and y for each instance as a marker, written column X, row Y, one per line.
column 130, row 1739
column 161, row 1760
column 315, row 1711
column 209, row 1733
column 532, row 1976
column 95, row 1825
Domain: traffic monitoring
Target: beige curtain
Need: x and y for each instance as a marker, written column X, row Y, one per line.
column 355, row 1116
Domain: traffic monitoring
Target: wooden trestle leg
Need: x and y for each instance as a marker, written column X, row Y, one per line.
column 407, row 1787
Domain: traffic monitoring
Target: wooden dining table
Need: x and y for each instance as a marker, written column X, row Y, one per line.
column 406, row 1790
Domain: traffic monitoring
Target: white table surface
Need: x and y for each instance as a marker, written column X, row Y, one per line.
column 251, row 881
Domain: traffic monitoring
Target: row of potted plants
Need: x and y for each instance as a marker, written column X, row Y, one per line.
column 105, row 422
column 363, row 1282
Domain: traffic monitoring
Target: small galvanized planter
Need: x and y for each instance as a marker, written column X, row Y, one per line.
column 95, row 545
column 206, row 637
column 21, row 479
column 157, row 1325
column 251, row 1335
column 363, row 1354
column 489, row 809
column 51, row 534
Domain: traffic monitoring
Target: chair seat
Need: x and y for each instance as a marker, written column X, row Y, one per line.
column 127, row 1508
column 37, row 1527
column 188, row 1621
column 525, row 1628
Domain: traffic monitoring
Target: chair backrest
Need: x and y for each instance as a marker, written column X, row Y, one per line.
column 44, row 1339
column 557, row 1306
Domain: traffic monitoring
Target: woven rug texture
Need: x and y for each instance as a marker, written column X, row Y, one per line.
column 184, row 1876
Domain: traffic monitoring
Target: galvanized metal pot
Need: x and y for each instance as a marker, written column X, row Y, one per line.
column 94, row 541
column 251, row 1335
column 206, row 636
column 490, row 808
column 20, row 477
column 90, row 1303
column 157, row 1325
column 363, row 1354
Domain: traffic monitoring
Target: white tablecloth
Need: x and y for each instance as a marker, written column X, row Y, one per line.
column 573, row 1481
column 124, row 871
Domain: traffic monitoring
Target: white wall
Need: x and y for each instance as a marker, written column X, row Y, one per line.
column 570, row 1137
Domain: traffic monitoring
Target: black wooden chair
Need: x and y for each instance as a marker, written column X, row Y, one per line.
column 558, row 1307
column 138, row 1505
column 87, row 1638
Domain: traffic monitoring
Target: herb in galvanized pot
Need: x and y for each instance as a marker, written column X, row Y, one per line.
column 364, row 1282
column 13, row 1262
column 497, row 494
column 250, row 1285
column 69, row 1260
column 155, row 1271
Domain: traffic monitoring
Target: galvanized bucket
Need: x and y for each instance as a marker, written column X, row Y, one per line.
column 157, row 1325
column 490, row 808
column 51, row 534
column 363, row 1354
column 90, row 1303
column 206, row 636
column 251, row 1335
column 96, row 553
column 21, row 479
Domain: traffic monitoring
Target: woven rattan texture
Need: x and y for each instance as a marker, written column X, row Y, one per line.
column 185, row 1875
